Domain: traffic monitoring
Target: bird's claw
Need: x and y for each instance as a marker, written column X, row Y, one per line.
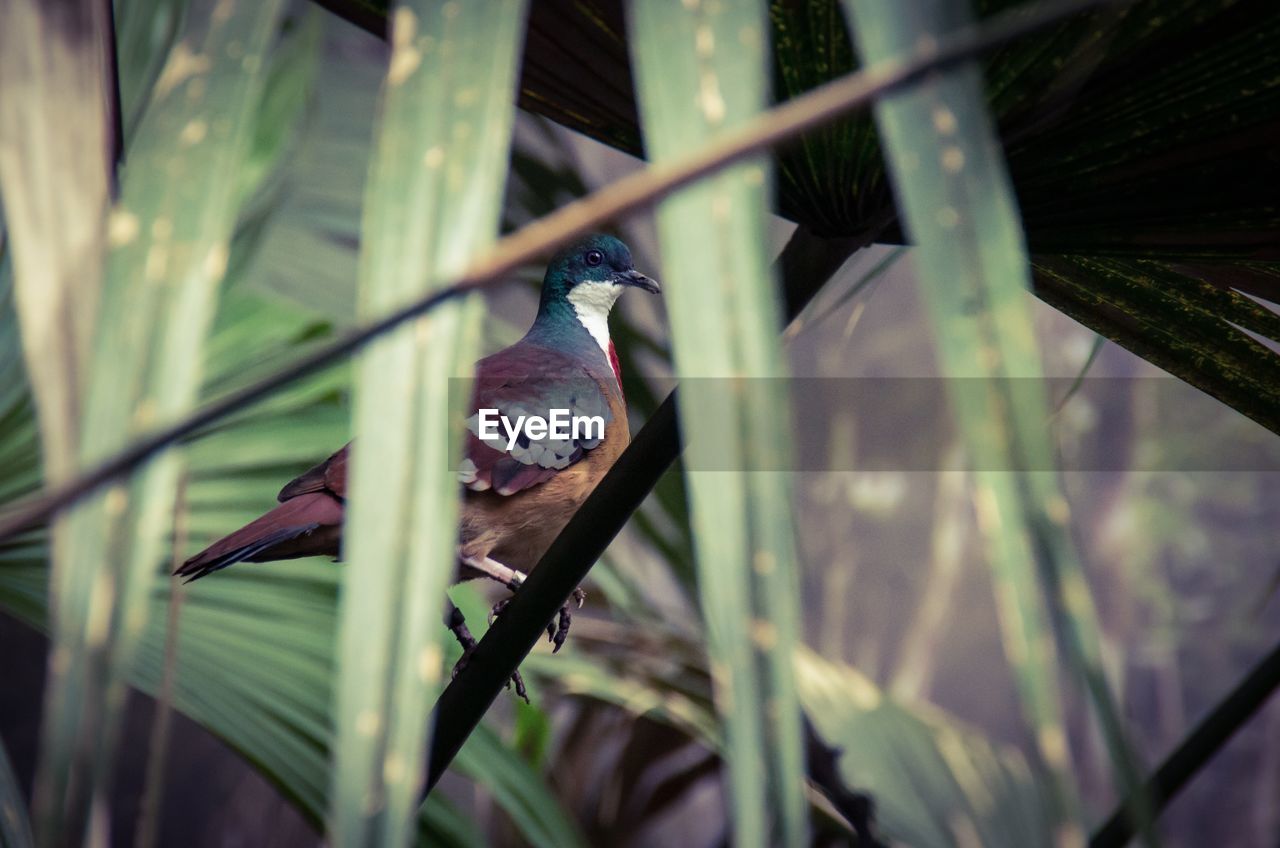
column 458, row 626
column 519, row 683
column 515, row 676
column 560, row 631
column 558, row 628
column 462, row 661
column 496, row 610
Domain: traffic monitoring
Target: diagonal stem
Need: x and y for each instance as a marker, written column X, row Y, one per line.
column 642, row 189
column 1206, row 740
column 805, row 264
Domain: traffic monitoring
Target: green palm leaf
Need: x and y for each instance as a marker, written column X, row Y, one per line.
column 725, row 322
column 433, row 202
column 256, row 646
column 1140, row 132
column 1185, row 323
column 170, row 234
column 958, row 206
column 936, row 782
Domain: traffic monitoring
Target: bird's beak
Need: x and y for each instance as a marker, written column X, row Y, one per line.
column 640, row 281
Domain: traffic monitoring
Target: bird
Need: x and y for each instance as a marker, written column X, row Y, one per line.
column 517, row 493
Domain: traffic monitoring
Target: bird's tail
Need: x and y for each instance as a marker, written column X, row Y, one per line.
column 264, row 537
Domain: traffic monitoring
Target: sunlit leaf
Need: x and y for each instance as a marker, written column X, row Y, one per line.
column 433, row 201
column 170, row 235
column 958, row 207
column 725, row 319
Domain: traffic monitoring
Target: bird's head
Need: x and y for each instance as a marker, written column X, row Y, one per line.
column 584, row 280
column 595, row 263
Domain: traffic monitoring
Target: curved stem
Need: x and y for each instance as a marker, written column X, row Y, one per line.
column 565, row 565
column 770, row 129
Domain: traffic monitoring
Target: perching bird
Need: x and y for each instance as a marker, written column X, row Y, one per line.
column 516, row 500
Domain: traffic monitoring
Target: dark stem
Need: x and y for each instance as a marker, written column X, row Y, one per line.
column 1196, row 750
column 158, row 744
column 806, row 263
column 772, row 128
column 564, row 566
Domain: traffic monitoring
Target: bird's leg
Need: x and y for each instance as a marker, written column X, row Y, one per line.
column 458, row 627
column 564, row 619
column 494, row 570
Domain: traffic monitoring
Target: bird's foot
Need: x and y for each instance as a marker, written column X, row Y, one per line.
column 458, row 627
column 558, row 628
column 560, row 632
column 496, row 610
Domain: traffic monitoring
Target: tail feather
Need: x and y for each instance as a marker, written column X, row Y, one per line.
column 293, row 519
column 203, row 563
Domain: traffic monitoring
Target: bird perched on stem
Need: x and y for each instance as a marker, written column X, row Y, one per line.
column 519, row 492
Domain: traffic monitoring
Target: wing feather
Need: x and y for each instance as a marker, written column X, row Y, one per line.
column 329, row 476
column 525, row 379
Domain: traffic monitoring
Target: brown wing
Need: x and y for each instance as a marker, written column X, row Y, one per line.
column 522, row 379
column 329, row 476
column 528, row 379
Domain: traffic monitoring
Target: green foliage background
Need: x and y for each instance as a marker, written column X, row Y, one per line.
column 1126, row 230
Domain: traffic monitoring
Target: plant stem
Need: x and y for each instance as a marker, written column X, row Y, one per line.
column 624, row 196
column 565, row 565
column 1189, row 757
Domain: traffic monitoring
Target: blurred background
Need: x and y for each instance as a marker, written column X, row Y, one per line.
column 1176, row 514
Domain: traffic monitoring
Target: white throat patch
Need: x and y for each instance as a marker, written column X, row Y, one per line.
column 592, row 302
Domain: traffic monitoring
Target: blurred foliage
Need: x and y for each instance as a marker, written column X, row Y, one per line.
column 433, row 205
column 957, row 206
column 1142, row 131
column 168, row 236
column 15, row 829
column 725, row 316
column 623, row 739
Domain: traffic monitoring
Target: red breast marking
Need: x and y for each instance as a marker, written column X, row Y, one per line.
column 613, row 363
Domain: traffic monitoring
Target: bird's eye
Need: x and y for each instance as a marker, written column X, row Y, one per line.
column 594, row 257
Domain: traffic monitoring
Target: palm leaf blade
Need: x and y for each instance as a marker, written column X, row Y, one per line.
column 433, row 201
column 725, row 321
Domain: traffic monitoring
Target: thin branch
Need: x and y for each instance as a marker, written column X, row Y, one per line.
column 1099, row 341
column 1196, row 750
column 806, row 263
column 153, row 784
column 565, row 565
column 624, row 196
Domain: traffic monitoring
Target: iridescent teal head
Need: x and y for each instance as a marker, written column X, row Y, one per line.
column 594, row 260
column 582, row 283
